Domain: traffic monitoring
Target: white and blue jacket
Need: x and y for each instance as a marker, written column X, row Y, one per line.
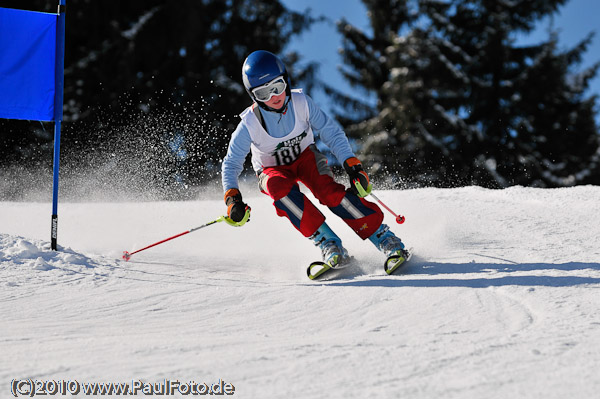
column 286, row 136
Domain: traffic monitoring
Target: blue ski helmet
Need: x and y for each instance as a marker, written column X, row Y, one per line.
column 262, row 67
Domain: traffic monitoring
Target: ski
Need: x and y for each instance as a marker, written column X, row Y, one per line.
column 319, row 268
column 394, row 262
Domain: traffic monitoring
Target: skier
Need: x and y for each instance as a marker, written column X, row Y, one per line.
column 279, row 129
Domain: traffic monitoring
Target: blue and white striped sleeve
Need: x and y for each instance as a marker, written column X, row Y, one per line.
column 330, row 132
column 233, row 163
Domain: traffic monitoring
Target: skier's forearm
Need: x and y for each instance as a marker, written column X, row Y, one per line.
column 233, row 163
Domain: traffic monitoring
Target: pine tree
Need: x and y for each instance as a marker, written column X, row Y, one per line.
column 462, row 103
column 369, row 69
column 153, row 87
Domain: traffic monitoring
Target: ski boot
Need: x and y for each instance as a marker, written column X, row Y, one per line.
column 387, row 242
column 334, row 255
column 332, row 251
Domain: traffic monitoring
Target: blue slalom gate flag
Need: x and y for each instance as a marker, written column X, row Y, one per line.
column 27, row 64
column 32, row 53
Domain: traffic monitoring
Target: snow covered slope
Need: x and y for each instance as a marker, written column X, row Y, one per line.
column 501, row 299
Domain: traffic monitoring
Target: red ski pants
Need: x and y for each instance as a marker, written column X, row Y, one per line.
column 311, row 168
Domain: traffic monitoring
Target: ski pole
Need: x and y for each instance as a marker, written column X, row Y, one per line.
column 399, row 218
column 127, row 255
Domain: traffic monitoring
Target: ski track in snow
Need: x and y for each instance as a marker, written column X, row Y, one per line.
column 500, row 299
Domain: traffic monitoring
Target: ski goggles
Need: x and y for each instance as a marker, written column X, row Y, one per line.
column 274, row 88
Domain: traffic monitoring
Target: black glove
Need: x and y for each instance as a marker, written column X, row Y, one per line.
column 236, row 208
column 356, row 172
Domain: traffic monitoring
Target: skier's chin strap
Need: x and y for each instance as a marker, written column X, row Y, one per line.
column 281, row 110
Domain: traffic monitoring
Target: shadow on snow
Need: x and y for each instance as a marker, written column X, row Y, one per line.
column 500, row 274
